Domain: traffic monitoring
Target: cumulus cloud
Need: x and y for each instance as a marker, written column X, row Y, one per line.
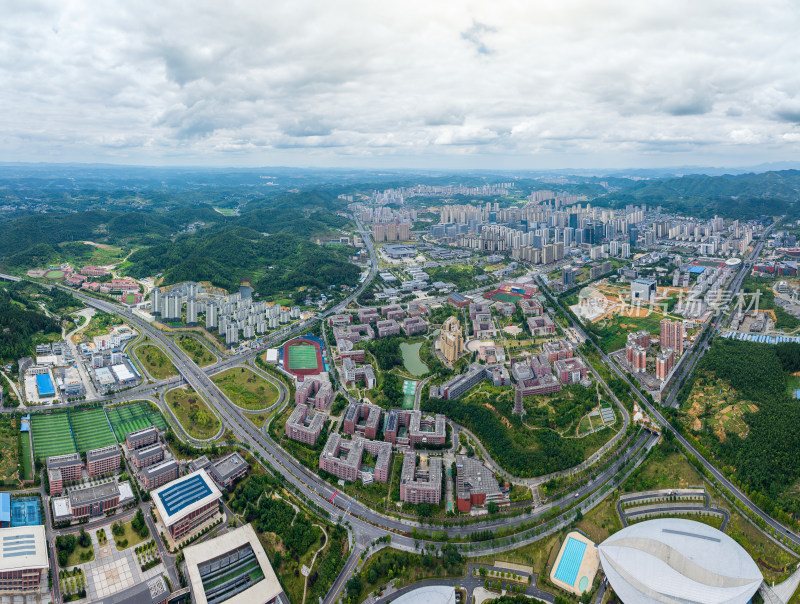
column 573, row 83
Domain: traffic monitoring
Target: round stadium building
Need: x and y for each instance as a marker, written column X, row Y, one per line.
column 678, row 561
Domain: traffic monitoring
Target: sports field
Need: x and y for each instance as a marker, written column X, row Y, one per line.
column 91, row 429
column 54, row 274
column 51, row 435
column 129, row 418
column 504, row 297
column 409, row 390
column 302, row 356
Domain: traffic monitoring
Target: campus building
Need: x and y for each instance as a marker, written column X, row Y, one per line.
column 104, row 460
column 354, row 374
column 232, row 568
column 407, row 427
column 476, row 484
column 228, row 469
column 23, row 558
column 159, row 474
column 570, row 371
column 389, row 327
column 342, row 458
column 558, row 350
column 185, row 504
column 533, row 375
column 148, row 456
column 141, row 438
column 418, row 485
column 87, row 502
column 303, row 425
column 62, row 469
column 316, row 393
column 363, row 419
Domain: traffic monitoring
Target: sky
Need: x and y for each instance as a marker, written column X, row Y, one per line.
column 494, row 84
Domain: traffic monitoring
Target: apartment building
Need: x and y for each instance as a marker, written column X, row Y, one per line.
column 406, row 427
column 558, row 350
column 570, row 371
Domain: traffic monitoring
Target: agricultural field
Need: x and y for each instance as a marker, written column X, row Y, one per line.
column 52, row 435
column 246, row 389
column 193, row 413
column 130, row 418
column 91, row 429
column 197, row 351
column 9, row 453
column 715, row 406
column 155, row 361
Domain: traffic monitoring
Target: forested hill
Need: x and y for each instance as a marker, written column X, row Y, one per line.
column 742, row 196
column 225, row 255
column 20, row 320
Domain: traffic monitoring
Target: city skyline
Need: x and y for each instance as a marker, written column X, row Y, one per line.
column 441, row 86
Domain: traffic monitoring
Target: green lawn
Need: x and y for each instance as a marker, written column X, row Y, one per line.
column 198, row 353
column 27, row 463
column 75, row 557
column 155, row 362
column 193, row 413
column 246, row 389
column 130, row 535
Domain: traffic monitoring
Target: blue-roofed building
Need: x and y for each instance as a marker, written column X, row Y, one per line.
column 25, row 424
column 5, row 509
column 44, row 385
column 187, row 503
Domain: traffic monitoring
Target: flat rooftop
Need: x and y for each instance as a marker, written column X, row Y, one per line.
column 183, row 496
column 90, row 494
column 200, row 555
column 23, row 547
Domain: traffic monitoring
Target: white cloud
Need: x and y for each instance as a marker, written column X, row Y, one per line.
column 506, row 83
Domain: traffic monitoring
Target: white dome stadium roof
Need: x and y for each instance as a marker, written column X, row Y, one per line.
column 678, row 561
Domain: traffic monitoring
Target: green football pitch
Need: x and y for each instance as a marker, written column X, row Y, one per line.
column 504, row 297
column 302, row 356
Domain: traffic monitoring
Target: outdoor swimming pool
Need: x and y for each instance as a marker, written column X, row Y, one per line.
column 570, row 562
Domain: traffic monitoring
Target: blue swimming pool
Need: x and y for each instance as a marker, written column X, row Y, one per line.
column 570, row 562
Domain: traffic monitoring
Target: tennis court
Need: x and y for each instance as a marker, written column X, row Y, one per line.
column 26, row 511
column 130, row 418
column 52, row 435
column 409, row 390
column 302, row 356
column 91, row 429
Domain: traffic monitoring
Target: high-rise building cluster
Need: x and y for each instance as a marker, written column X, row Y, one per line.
column 229, row 315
